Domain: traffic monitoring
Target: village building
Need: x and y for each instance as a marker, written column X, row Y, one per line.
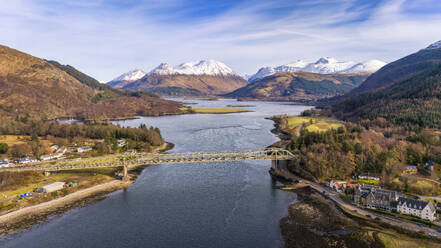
column 27, row 160
column 121, row 143
column 338, row 185
column 5, row 163
column 369, row 176
column 49, row 188
column 84, row 149
column 410, row 169
column 423, row 209
column 382, row 199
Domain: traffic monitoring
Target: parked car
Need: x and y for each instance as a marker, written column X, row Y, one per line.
column 368, row 215
column 355, row 210
column 377, row 218
column 439, row 230
column 433, row 234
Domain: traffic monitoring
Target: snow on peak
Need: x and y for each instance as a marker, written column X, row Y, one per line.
column 131, row 75
column 369, row 66
column 325, row 65
column 200, row 67
column 435, row 45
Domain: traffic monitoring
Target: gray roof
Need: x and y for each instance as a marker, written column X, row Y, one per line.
column 411, row 203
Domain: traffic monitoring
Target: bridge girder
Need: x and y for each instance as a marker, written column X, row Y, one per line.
column 145, row 158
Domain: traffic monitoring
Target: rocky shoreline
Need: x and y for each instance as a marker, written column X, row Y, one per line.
column 27, row 217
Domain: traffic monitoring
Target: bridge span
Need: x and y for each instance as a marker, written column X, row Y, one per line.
column 131, row 160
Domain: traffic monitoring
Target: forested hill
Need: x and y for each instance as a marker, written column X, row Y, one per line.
column 412, row 102
column 300, row 86
column 401, row 69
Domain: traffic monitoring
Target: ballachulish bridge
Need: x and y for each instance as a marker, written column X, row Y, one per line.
column 130, row 160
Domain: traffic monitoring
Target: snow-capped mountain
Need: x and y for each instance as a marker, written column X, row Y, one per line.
column 201, row 67
column 131, row 75
column 370, row 66
column 322, row 66
column 126, row 78
column 435, row 45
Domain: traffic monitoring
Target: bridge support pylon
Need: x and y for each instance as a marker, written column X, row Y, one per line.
column 125, row 173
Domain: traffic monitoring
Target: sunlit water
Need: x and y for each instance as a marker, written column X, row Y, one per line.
column 222, row 204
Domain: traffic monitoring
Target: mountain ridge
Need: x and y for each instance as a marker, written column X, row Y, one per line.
column 323, row 65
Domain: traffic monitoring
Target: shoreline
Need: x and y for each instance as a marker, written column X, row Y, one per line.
column 27, row 217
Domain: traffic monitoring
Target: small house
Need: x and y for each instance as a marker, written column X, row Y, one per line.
column 430, row 165
column 423, row 209
column 27, row 160
column 5, row 163
column 410, row 169
column 338, row 185
column 84, row 149
column 49, row 188
column 121, row 143
column 369, row 176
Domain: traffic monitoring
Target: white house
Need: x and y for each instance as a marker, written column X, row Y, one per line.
column 27, row 160
column 368, row 176
column 121, row 143
column 4, row 163
column 84, row 149
column 423, row 209
column 338, row 185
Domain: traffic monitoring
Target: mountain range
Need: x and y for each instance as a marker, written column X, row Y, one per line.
column 196, row 78
column 323, row 66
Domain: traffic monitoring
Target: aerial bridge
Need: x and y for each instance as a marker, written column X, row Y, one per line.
column 131, row 160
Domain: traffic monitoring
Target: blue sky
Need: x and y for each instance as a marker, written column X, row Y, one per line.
column 105, row 38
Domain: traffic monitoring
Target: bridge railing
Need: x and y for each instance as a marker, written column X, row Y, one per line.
column 149, row 158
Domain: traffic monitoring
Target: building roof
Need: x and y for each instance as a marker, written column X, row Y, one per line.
column 411, row 167
column 412, row 203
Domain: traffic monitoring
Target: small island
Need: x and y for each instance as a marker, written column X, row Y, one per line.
column 240, row 105
column 213, row 110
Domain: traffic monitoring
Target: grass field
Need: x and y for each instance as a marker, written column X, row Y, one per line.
column 314, row 124
column 214, row 110
column 368, row 181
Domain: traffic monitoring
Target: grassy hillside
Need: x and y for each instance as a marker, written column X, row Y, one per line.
column 300, row 85
column 412, row 102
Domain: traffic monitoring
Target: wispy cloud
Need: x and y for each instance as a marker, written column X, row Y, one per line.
column 106, row 38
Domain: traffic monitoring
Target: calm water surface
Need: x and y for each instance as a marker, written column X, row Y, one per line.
column 224, row 204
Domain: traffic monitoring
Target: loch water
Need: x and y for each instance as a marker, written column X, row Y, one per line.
column 220, row 204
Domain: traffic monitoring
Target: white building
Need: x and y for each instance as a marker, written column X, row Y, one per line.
column 49, row 188
column 121, row 143
column 368, row 176
column 84, row 149
column 27, row 160
column 338, row 185
column 4, row 163
column 423, row 209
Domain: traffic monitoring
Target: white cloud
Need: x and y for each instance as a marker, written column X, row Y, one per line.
column 105, row 42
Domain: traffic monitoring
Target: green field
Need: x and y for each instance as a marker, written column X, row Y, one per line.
column 314, row 124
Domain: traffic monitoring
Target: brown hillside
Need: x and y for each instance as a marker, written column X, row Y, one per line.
column 29, row 85
column 187, row 84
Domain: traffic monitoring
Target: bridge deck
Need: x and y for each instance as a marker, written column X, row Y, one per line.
column 136, row 159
